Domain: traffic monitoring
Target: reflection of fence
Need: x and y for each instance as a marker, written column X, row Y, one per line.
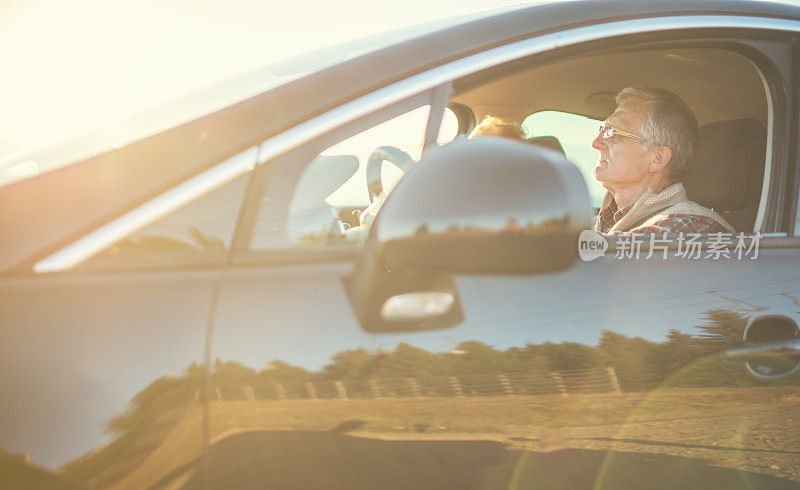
column 564, row 383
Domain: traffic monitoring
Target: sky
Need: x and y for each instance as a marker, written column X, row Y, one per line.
column 69, row 67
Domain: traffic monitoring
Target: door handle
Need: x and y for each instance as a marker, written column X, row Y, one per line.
column 789, row 347
column 771, row 348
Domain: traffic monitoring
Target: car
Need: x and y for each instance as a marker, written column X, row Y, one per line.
column 327, row 284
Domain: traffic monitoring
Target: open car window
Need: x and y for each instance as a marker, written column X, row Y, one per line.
column 561, row 104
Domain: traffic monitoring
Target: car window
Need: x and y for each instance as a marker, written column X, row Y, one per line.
column 199, row 232
column 330, row 200
column 575, row 133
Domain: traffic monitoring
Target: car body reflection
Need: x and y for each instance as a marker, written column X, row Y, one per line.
column 636, row 412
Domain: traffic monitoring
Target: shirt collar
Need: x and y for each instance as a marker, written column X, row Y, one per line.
column 621, row 212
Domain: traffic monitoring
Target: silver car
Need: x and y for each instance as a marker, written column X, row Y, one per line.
column 327, row 285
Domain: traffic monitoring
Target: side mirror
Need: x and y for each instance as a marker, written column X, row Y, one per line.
column 481, row 206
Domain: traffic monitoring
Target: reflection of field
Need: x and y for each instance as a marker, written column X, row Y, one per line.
column 752, row 429
column 326, row 460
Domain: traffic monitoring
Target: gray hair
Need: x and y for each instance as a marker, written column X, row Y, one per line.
column 669, row 123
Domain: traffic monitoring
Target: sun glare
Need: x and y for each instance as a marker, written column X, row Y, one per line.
column 103, row 73
column 72, row 66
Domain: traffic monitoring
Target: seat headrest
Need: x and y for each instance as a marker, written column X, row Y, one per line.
column 729, row 166
column 550, row 142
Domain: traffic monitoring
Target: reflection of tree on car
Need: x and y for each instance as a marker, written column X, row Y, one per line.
column 148, row 243
column 682, row 362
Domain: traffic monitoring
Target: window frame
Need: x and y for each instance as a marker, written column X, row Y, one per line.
column 792, row 215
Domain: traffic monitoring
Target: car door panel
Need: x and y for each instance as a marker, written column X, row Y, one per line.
column 615, row 392
column 89, row 363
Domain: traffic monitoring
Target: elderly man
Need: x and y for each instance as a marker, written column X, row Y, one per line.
column 646, row 145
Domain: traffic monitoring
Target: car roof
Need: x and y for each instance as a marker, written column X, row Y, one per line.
column 122, row 178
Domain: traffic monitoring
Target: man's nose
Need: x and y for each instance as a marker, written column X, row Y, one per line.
column 599, row 142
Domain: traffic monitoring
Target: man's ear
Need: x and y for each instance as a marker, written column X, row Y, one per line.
column 661, row 159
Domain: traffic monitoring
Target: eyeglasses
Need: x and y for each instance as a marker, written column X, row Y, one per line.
column 607, row 132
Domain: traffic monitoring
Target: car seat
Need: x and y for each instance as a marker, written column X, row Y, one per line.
column 729, row 170
column 550, row 142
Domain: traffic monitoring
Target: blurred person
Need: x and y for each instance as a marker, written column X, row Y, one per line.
column 496, row 126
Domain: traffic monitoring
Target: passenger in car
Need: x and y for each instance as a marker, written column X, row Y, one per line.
column 646, row 146
column 496, row 126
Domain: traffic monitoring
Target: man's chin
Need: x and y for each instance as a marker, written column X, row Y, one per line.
column 600, row 175
column 598, row 172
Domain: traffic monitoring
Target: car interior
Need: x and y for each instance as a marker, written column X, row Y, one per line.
column 724, row 88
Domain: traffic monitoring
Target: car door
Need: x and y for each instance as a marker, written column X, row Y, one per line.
column 102, row 361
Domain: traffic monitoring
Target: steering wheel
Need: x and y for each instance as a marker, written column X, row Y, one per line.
column 391, row 154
